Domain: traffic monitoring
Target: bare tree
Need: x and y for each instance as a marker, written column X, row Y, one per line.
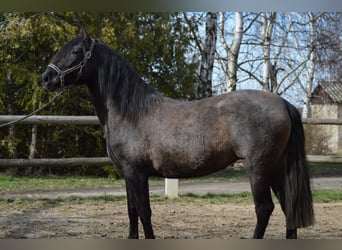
column 230, row 64
column 329, row 46
column 207, row 51
column 208, row 56
column 278, row 52
column 311, row 66
column 267, row 29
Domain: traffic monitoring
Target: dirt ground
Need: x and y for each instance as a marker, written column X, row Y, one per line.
column 178, row 218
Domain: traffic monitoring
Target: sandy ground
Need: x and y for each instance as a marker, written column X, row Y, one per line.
column 178, row 218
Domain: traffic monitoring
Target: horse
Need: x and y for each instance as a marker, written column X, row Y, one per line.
column 148, row 134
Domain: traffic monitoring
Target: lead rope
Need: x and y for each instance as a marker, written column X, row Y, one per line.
column 60, row 92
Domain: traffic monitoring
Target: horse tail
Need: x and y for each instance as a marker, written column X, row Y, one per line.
column 298, row 197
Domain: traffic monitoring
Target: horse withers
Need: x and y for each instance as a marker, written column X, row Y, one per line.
column 148, row 134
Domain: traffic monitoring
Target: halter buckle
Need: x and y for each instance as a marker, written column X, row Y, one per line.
column 88, row 54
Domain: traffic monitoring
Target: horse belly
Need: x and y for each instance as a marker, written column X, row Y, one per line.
column 188, row 163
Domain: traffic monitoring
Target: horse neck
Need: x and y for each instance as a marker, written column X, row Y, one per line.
column 100, row 103
column 118, row 89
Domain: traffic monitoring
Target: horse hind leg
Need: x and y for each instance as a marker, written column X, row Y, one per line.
column 264, row 205
column 278, row 190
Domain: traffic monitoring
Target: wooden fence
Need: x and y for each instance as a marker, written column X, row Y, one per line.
column 93, row 120
column 171, row 185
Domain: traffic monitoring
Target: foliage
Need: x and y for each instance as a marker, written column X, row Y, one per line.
column 156, row 44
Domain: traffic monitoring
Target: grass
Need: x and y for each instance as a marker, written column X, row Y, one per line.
column 325, row 170
column 18, row 183
column 319, row 196
column 325, row 196
column 10, row 183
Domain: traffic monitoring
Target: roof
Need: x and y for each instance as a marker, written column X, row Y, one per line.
column 331, row 89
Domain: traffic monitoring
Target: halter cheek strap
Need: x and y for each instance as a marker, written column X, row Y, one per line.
column 63, row 73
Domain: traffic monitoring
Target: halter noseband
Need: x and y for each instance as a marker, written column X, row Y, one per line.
column 63, row 73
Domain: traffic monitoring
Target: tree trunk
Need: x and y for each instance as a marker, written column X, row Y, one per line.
column 233, row 52
column 12, row 144
column 267, row 28
column 311, row 70
column 33, row 144
column 208, row 53
column 29, row 169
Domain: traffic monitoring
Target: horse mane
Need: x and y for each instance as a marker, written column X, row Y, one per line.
column 129, row 92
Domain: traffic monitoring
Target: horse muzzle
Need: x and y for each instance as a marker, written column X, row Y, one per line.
column 50, row 80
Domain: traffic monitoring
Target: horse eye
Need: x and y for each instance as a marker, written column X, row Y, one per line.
column 75, row 51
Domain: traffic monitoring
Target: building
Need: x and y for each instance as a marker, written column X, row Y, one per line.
column 326, row 102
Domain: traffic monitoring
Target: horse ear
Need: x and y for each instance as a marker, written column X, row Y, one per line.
column 85, row 36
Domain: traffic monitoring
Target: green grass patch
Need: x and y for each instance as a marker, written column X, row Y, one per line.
column 319, row 196
column 324, row 196
column 10, row 183
column 325, row 170
column 19, row 183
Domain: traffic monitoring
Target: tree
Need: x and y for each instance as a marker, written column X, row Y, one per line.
column 156, row 44
column 207, row 54
column 206, row 50
column 312, row 65
column 26, row 49
column 267, row 29
column 229, row 60
column 329, row 43
column 165, row 65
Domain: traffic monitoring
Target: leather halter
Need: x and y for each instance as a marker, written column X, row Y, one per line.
column 63, row 73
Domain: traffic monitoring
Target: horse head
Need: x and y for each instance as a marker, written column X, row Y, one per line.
column 67, row 66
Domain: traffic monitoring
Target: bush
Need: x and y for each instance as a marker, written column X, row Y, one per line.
column 316, row 141
column 112, row 171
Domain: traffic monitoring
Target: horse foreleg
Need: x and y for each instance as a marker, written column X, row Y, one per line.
column 139, row 205
column 132, row 215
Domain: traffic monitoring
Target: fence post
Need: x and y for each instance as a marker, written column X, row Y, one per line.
column 171, row 188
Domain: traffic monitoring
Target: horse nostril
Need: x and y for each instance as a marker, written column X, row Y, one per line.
column 45, row 78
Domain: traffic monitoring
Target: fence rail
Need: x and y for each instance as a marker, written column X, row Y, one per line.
column 53, row 162
column 52, row 119
column 93, row 161
column 93, row 120
column 319, row 121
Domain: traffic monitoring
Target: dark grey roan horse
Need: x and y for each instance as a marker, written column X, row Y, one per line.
column 148, row 134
